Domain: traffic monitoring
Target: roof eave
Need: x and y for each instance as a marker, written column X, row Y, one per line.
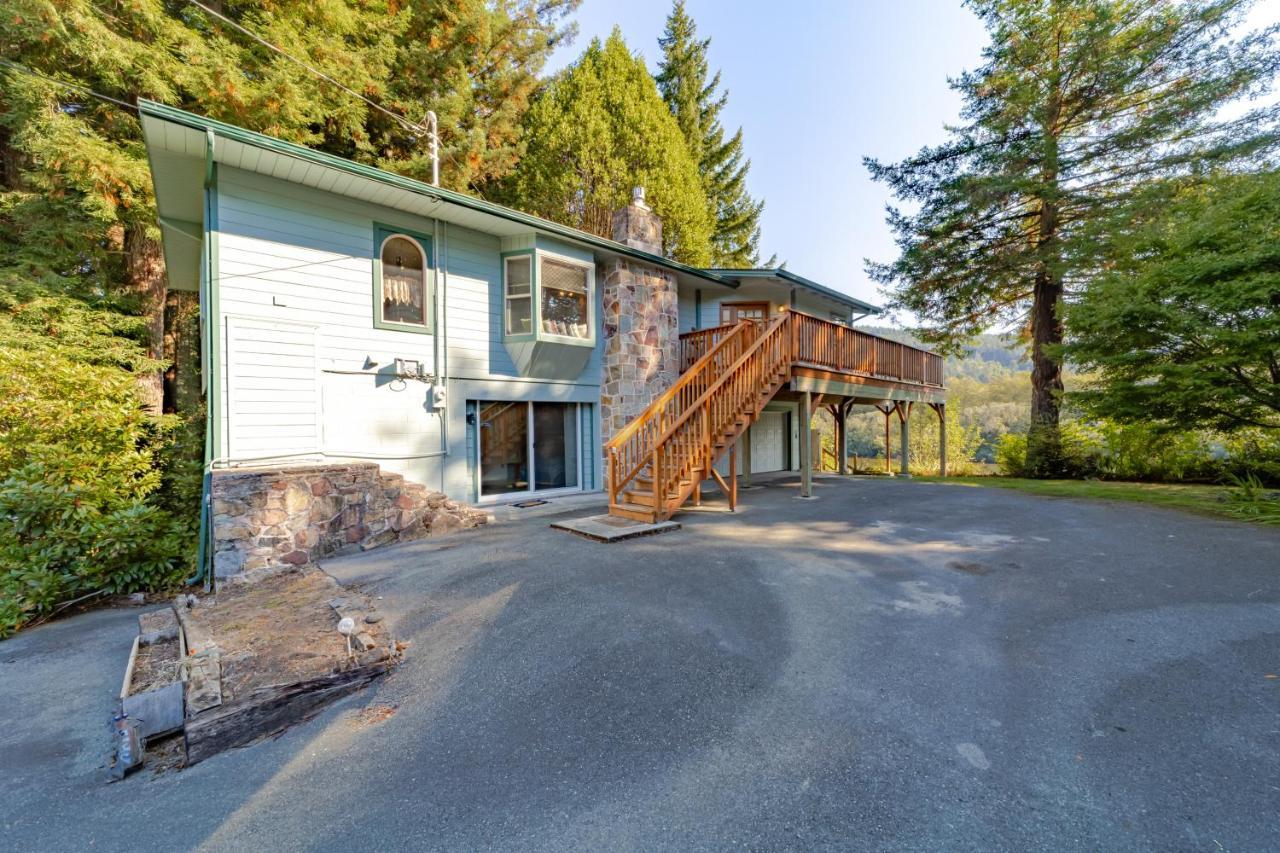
column 164, row 112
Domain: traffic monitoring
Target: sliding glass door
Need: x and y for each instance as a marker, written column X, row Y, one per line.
column 528, row 447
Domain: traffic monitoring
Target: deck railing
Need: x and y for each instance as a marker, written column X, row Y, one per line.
column 694, row 345
column 844, row 349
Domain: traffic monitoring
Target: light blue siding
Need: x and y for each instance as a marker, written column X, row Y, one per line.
column 296, row 264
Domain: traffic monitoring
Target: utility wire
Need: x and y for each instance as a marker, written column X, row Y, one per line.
column 22, row 69
column 416, row 128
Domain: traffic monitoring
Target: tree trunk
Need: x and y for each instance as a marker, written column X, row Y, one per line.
column 1044, row 442
column 144, row 278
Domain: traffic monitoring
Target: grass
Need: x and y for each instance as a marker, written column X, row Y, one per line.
column 1222, row 501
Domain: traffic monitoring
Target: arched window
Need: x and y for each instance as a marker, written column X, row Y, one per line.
column 404, row 282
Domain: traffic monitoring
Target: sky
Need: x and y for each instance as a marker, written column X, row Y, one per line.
column 817, row 85
column 815, row 90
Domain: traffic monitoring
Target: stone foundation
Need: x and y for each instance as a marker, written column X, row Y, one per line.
column 296, row 515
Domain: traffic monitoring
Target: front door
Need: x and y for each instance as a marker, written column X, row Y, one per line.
column 732, row 312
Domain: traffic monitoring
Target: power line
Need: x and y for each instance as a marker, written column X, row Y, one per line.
column 416, row 128
column 22, row 69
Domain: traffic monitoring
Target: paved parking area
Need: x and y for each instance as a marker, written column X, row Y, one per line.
column 891, row 666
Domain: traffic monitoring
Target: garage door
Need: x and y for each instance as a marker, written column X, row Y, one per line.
column 769, row 443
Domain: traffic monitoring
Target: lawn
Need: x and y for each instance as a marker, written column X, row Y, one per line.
column 1222, row 501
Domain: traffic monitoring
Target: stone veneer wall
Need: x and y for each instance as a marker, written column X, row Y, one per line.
column 641, row 340
column 295, row 515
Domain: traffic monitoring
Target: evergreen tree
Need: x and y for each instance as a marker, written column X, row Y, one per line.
column 596, row 131
column 1185, row 331
column 1078, row 106
column 697, row 102
column 476, row 63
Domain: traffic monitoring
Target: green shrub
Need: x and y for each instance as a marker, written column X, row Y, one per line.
column 79, row 463
column 1011, row 454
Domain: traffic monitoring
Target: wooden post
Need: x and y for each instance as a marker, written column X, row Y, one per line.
column 806, row 455
column 904, row 417
column 842, row 464
column 888, row 449
column 746, row 458
column 941, row 409
column 733, row 477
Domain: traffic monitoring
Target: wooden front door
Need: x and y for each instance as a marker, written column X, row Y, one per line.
column 732, row 312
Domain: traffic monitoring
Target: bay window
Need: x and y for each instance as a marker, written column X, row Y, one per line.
column 548, row 297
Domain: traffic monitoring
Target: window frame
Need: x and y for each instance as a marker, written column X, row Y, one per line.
column 381, row 234
column 537, row 333
column 532, row 296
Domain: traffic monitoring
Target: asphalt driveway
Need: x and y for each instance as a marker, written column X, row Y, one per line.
column 890, row 666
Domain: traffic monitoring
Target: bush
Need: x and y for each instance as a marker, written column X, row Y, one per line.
column 79, row 464
column 1011, row 454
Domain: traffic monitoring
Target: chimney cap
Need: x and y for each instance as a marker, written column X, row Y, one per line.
column 637, row 197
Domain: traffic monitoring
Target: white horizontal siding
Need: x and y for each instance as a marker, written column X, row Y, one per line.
column 276, row 359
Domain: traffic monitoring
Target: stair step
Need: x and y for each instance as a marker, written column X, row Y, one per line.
column 635, row 512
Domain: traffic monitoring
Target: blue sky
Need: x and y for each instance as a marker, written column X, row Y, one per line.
column 817, row 85
column 815, row 88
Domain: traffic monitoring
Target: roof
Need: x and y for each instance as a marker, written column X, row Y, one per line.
column 182, row 146
column 785, row 275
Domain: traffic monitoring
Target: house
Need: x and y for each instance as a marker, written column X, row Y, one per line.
column 381, row 353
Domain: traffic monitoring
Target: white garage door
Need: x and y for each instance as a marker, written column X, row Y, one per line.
column 769, row 443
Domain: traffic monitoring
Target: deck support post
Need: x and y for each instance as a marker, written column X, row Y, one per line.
column 746, row 457
column 733, row 477
column 904, row 419
column 842, row 463
column 887, row 410
column 806, row 454
column 941, row 410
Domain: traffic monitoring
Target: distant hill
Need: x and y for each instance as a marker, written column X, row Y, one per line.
column 987, row 357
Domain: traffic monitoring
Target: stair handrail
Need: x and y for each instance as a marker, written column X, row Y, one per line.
column 659, row 481
column 782, row 318
column 617, row 480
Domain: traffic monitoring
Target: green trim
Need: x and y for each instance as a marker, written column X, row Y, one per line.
column 209, row 144
column 214, row 325
column 787, row 275
column 381, row 232
column 551, row 337
column 166, row 113
column 532, row 254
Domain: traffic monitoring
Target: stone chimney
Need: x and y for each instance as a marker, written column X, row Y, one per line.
column 641, row 320
column 637, row 226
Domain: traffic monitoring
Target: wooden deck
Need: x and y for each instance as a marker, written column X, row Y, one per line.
column 729, row 374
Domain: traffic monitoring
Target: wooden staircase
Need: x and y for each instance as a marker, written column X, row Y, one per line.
column 658, row 460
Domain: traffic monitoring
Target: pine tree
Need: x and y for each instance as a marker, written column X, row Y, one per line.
column 1078, row 105
column 599, row 129
column 697, row 102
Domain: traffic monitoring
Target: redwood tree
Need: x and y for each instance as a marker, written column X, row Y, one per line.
column 1078, row 107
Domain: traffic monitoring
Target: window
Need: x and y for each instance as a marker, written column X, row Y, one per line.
column 564, row 309
column 402, row 290
column 548, row 298
column 519, row 294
